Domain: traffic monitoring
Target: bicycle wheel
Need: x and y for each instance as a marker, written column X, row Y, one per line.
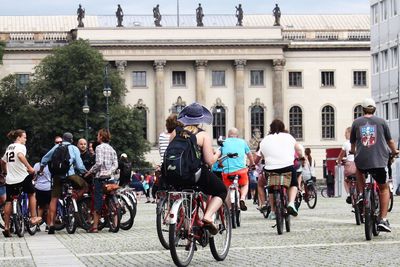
column 114, row 214
column 286, row 214
column 324, row 192
column 18, row 220
column 220, row 243
column 311, row 199
column 59, row 222
column 237, row 209
column 390, row 202
column 278, row 212
column 375, row 212
column 126, row 220
column 70, row 216
column 2, row 216
column 84, row 212
column 298, row 199
column 368, row 216
column 181, row 242
column 161, row 222
column 356, row 207
column 133, row 200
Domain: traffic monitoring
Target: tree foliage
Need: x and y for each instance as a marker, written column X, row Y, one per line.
column 52, row 103
column 2, row 46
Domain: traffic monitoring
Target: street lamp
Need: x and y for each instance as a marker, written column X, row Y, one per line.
column 86, row 110
column 107, row 94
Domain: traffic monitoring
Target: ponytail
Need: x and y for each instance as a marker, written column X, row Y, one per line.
column 14, row 134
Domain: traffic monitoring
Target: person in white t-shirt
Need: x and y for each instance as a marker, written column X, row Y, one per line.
column 278, row 149
column 345, row 153
column 19, row 176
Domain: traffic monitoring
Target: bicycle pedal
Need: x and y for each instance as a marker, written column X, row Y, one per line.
column 273, row 226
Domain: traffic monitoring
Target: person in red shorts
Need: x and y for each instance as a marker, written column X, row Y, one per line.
column 237, row 165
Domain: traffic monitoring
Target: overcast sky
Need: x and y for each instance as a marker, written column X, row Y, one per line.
column 144, row 7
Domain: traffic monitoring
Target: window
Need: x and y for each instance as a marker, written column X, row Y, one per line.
column 179, row 78
column 358, row 112
column 22, row 79
column 394, row 56
column 359, row 78
column 295, row 79
column 178, row 106
column 327, row 78
column 384, row 56
column 296, row 122
column 375, row 62
column 219, row 122
column 256, row 77
column 139, row 79
column 395, row 110
column 143, row 120
column 385, row 109
column 218, row 78
column 393, row 8
column 384, row 7
column 375, row 13
column 257, row 119
column 328, row 122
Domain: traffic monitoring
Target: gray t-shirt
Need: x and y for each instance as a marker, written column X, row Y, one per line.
column 370, row 136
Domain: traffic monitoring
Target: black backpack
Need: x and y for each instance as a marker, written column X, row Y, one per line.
column 182, row 159
column 59, row 163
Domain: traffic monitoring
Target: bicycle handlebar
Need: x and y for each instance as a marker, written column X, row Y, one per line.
column 229, row 155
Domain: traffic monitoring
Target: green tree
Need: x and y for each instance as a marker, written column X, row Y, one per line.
column 54, row 100
column 2, row 46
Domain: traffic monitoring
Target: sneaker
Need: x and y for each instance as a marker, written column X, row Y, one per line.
column 7, row 233
column 384, row 226
column 272, row 216
column 51, row 230
column 46, row 229
column 292, row 209
column 242, row 205
column 348, row 200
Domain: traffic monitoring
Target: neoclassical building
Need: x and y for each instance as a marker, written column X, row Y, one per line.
column 312, row 72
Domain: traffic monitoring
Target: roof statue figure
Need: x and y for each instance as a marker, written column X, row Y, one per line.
column 81, row 15
column 120, row 16
column 199, row 16
column 277, row 14
column 157, row 16
column 239, row 15
column 255, row 140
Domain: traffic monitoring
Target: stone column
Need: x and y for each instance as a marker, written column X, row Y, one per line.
column 121, row 65
column 200, row 66
column 277, row 91
column 239, row 95
column 160, row 97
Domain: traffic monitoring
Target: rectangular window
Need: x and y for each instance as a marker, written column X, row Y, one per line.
column 384, row 56
column 327, row 78
column 179, row 78
column 375, row 14
column 384, row 7
column 394, row 56
column 218, row 78
column 256, row 77
column 375, row 63
column 393, row 8
column 295, row 79
column 385, row 110
column 22, row 80
column 139, row 79
column 395, row 110
column 359, row 78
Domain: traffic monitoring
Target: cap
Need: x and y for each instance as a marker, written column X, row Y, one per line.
column 368, row 102
column 68, row 137
column 123, row 155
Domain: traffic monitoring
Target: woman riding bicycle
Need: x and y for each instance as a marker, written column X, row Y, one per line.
column 278, row 149
column 191, row 117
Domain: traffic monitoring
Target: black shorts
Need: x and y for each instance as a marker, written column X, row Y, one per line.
column 25, row 186
column 379, row 174
column 43, row 198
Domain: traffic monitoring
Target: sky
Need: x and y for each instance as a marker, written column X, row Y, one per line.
column 145, row 7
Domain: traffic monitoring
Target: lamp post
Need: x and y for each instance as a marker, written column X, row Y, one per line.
column 86, row 110
column 107, row 94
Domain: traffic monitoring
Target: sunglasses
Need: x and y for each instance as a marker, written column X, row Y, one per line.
column 58, row 142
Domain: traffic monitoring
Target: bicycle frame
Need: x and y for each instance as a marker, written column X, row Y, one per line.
column 234, row 189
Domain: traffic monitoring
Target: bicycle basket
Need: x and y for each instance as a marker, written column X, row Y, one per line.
column 108, row 188
column 277, row 179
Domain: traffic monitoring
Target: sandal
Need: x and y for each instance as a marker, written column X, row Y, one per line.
column 93, row 230
column 7, row 233
column 210, row 227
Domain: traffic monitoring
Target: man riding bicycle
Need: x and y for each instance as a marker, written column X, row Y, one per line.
column 370, row 138
column 237, row 165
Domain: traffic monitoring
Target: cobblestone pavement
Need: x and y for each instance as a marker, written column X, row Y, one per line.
column 325, row 236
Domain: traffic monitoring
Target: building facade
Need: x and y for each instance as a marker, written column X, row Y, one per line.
column 312, row 72
column 385, row 40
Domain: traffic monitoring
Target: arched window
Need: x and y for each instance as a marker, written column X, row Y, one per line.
column 328, row 122
column 142, row 110
column 257, row 117
column 296, row 122
column 358, row 112
column 219, row 120
column 178, row 105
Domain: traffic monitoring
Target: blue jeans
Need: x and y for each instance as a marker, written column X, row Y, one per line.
column 98, row 194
